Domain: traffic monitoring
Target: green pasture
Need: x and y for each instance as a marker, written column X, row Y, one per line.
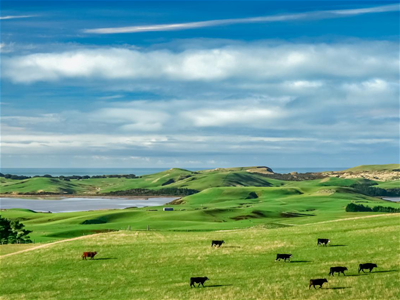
column 212, row 209
column 158, row 264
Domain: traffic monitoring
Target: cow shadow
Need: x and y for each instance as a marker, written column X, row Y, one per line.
column 337, row 245
column 217, row 285
column 104, row 258
column 339, row 288
column 232, row 247
column 373, row 272
column 299, row 261
column 385, row 271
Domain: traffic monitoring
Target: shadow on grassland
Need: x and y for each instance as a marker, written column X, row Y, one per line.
column 385, row 271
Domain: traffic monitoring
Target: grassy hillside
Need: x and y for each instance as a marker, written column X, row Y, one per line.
column 38, row 185
column 211, row 209
column 180, row 178
column 173, row 178
column 158, row 265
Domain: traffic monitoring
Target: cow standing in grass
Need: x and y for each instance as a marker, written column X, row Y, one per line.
column 314, row 282
column 323, row 242
column 217, row 243
column 337, row 270
column 199, row 280
column 283, row 256
column 88, row 254
column 367, row 266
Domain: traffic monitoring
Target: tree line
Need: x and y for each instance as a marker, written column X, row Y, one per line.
column 160, row 192
column 352, row 207
column 375, row 191
column 68, row 178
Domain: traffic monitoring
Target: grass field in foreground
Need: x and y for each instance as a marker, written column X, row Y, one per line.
column 158, row 265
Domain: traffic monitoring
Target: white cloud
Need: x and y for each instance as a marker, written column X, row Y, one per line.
column 16, row 17
column 6, row 48
column 305, row 84
column 263, row 19
column 300, row 63
column 252, row 116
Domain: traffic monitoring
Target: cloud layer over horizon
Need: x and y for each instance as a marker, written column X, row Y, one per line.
column 224, row 97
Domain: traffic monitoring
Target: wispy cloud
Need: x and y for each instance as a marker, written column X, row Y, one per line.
column 263, row 19
column 300, row 63
column 16, row 17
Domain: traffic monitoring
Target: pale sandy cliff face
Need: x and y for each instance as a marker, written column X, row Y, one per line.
column 372, row 175
column 384, row 175
column 262, row 170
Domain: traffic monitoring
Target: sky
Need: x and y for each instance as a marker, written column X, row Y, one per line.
column 199, row 83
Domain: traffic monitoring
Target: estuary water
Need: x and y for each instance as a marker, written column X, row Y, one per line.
column 64, row 204
column 393, row 199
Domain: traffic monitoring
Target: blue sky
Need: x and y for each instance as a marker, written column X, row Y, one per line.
column 199, row 84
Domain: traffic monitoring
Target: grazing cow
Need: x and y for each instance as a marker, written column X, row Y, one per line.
column 337, row 270
column 199, row 280
column 323, row 242
column 314, row 282
column 88, row 254
column 367, row 266
column 283, row 256
column 217, row 243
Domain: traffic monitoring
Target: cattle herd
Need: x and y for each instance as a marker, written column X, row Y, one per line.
column 313, row 282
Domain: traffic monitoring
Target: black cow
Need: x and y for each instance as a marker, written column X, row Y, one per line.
column 337, row 270
column 199, row 280
column 283, row 256
column 314, row 282
column 323, row 242
column 367, row 266
column 217, row 243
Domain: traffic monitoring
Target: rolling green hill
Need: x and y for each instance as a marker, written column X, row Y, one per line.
column 158, row 265
column 184, row 179
column 212, row 209
column 173, row 178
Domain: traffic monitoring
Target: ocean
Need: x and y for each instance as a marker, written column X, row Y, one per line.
column 136, row 171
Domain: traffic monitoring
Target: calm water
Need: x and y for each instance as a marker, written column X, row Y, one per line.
column 136, row 171
column 80, row 204
column 393, row 199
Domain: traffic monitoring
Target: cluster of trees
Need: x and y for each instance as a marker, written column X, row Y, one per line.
column 12, row 232
column 78, row 177
column 160, row 192
column 68, row 178
column 128, row 176
column 375, row 191
column 10, row 176
column 352, row 207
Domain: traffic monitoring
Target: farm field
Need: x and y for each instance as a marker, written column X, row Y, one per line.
column 158, row 264
column 212, row 209
column 257, row 216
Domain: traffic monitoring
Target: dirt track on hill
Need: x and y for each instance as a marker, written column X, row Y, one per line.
column 92, row 235
column 50, row 244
